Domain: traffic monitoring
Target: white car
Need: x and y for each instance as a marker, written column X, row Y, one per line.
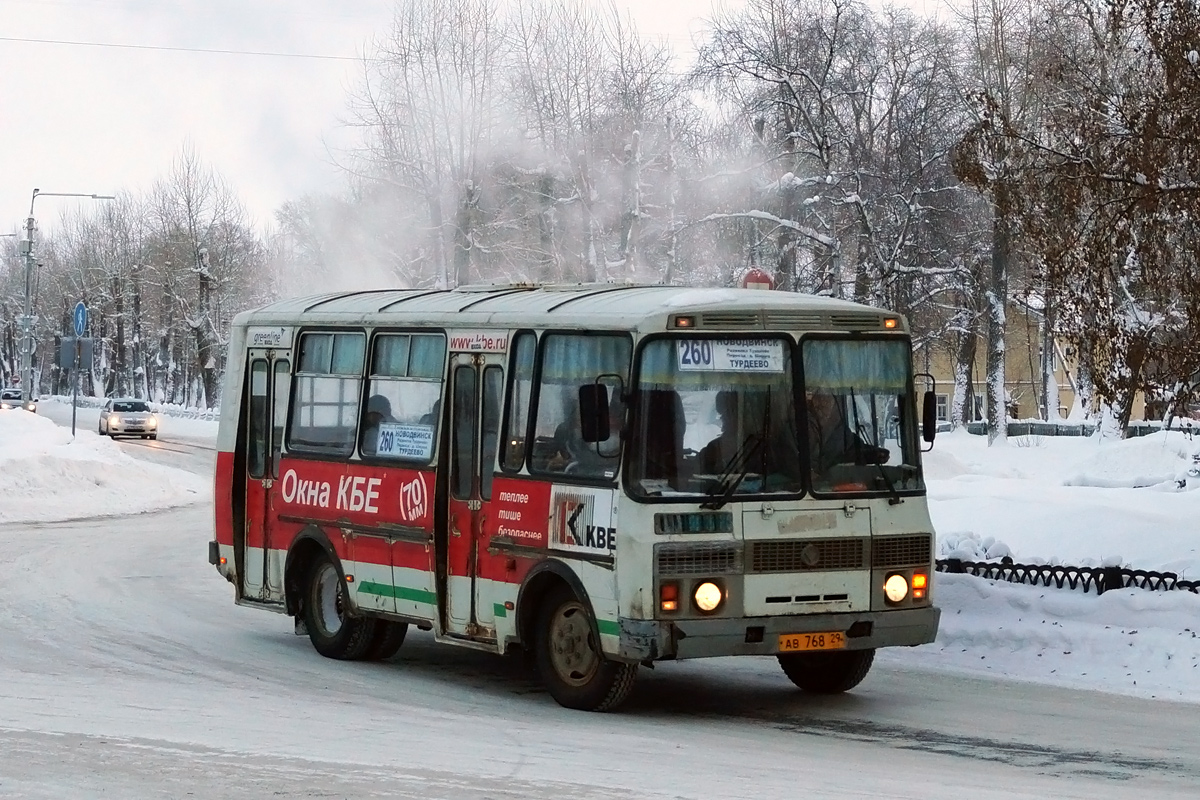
column 127, row 416
column 11, row 398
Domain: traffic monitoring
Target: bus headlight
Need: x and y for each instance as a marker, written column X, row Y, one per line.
column 895, row 588
column 708, row 597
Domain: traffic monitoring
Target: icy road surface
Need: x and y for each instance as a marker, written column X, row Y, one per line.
column 126, row 671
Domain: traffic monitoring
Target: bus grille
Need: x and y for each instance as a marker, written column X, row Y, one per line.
column 804, row 555
column 855, row 322
column 901, row 551
column 795, row 320
column 715, row 558
column 731, row 320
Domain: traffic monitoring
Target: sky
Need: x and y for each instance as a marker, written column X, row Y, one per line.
column 101, row 120
column 81, row 118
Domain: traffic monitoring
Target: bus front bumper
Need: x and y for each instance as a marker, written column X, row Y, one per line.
column 651, row 640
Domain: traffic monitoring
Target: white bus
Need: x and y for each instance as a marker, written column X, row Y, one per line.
column 607, row 475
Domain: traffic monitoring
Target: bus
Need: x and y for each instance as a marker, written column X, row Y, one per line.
column 602, row 476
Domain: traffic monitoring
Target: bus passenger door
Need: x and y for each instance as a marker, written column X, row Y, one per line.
column 477, row 392
column 266, row 411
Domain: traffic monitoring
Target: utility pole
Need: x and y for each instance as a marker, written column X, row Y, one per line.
column 27, row 320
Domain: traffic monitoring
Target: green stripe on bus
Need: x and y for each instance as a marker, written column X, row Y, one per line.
column 398, row 592
column 499, row 610
column 608, row 627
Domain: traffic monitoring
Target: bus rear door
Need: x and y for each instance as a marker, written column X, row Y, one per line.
column 477, row 389
column 268, row 375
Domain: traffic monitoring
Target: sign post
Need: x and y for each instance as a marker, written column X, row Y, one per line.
column 81, row 316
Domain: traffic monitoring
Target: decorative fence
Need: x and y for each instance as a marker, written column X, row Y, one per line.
column 1037, row 428
column 1099, row 579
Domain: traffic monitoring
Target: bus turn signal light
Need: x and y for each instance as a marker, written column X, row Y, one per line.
column 920, row 581
column 668, row 596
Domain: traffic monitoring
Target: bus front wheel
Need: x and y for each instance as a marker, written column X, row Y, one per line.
column 333, row 631
column 829, row 672
column 570, row 660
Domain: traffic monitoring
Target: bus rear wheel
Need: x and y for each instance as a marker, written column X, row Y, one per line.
column 827, row 673
column 331, row 628
column 386, row 640
column 570, row 661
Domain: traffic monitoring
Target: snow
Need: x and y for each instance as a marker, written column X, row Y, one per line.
column 128, row 670
column 47, row 476
column 1078, row 501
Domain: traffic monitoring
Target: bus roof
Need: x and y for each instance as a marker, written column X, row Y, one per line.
column 588, row 306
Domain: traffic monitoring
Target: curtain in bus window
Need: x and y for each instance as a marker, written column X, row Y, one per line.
column 868, row 365
column 402, row 410
column 325, row 393
column 428, row 357
column 521, row 365
column 570, row 361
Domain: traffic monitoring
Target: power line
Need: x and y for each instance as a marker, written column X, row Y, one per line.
column 179, row 49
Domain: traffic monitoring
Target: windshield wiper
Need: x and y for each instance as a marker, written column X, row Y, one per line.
column 860, row 443
column 727, row 482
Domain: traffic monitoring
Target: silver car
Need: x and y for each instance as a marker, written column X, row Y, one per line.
column 122, row 416
column 11, row 398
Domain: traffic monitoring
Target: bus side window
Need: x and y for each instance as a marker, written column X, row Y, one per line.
column 325, row 393
column 256, row 461
column 279, row 418
column 402, row 408
column 493, row 383
column 520, row 391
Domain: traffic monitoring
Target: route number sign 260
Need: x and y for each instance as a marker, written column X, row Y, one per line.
column 729, row 355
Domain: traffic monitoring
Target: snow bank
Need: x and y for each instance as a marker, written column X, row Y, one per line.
column 1160, row 458
column 47, row 477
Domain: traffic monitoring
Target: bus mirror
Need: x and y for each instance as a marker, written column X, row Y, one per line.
column 593, row 412
column 929, row 417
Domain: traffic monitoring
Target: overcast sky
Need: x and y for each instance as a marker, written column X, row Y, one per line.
column 103, row 119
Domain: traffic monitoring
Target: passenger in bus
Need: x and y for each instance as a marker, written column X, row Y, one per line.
column 716, row 456
column 832, row 441
column 379, row 411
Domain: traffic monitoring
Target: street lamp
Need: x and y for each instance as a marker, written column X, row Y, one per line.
column 27, row 321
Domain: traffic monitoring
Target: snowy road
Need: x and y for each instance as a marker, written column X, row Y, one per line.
column 126, row 671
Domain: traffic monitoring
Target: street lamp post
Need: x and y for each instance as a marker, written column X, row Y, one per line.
column 27, row 320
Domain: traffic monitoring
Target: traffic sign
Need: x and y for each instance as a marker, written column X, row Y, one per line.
column 80, row 318
column 757, row 279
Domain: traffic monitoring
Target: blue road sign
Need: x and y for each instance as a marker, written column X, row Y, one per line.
column 80, row 318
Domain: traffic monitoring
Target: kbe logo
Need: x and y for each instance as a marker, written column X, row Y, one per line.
column 414, row 500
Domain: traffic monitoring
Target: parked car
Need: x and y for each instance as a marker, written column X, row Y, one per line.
column 11, row 398
column 128, row 416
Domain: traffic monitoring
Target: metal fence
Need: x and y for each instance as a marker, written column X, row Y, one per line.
column 1097, row 579
column 1035, row 428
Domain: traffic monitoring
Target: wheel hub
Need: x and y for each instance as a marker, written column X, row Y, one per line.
column 329, row 600
column 571, row 648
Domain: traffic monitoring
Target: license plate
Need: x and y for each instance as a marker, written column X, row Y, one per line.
column 825, row 640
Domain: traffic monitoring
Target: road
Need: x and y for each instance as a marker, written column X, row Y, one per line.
column 126, row 671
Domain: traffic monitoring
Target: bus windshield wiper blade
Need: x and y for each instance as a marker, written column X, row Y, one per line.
column 727, row 481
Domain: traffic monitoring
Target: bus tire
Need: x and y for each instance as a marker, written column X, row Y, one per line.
column 386, row 640
column 827, row 673
column 570, row 661
column 331, row 629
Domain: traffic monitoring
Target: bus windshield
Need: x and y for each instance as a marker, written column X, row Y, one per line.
column 860, row 416
column 715, row 417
